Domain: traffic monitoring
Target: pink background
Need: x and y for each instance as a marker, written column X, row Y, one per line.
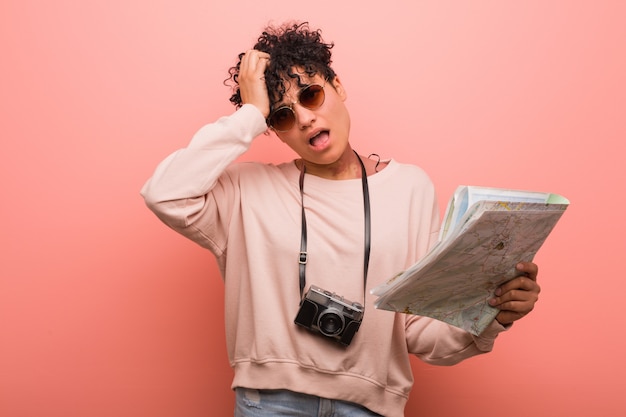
column 106, row 312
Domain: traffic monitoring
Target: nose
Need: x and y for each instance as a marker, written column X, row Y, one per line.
column 304, row 116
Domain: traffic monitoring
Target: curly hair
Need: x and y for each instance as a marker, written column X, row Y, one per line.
column 292, row 45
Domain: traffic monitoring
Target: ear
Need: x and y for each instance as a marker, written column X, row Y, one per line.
column 338, row 86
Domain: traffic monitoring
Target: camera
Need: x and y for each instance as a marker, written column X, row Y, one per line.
column 330, row 314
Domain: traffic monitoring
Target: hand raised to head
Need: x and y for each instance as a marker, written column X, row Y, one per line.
column 252, row 81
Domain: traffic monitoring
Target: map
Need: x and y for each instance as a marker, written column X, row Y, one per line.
column 455, row 280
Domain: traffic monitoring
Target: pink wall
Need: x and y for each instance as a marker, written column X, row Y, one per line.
column 105, row 312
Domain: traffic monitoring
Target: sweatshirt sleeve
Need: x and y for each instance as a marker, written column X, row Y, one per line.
column 439, row 343
column 191, row 190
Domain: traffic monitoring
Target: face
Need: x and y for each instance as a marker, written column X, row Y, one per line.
column 319, row 136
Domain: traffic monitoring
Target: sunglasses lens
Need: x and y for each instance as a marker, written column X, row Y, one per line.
column 312, row 96
column 282, row 119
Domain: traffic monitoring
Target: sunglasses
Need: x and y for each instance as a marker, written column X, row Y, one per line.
column 283, row 118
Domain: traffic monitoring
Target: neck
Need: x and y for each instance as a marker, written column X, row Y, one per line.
column 346, row 168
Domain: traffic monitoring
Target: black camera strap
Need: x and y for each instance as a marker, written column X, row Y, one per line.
column 303, row 257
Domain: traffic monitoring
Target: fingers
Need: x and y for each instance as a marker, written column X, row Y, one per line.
column 514, row 305
column 529, row 269
column 253, row 63
column 516, row 300
column 508, row 317
column 522, row 283
column 520, row 289
column 517, row 297
column 252, row 82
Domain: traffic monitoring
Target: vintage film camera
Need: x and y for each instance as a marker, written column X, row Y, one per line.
column 330, row 314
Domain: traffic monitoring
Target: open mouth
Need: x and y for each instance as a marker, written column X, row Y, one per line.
column 319, row 139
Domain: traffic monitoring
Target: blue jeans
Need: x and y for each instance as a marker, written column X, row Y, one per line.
column 271, row 403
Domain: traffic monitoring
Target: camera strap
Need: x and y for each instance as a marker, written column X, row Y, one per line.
column 303, row 257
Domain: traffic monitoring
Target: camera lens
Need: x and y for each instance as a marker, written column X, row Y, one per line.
column 330, row 323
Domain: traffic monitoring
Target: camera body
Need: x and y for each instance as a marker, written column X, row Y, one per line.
column 330, row 314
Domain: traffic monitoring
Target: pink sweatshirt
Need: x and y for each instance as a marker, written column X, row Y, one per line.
column 248, row 216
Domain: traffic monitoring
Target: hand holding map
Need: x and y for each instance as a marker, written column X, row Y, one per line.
column 485, row 233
